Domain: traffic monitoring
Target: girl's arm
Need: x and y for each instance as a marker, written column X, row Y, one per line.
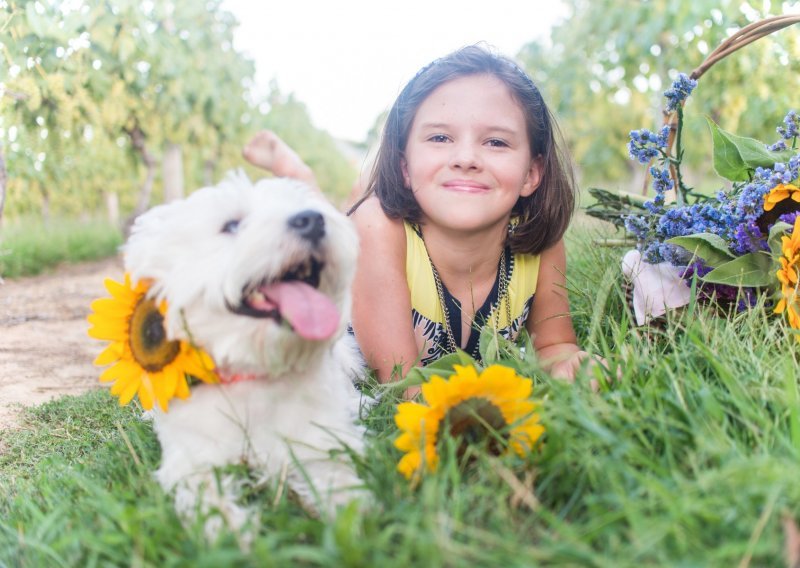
column 549, row 322
column 381, row 299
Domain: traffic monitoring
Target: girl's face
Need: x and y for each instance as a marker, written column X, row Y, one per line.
column 468, row 157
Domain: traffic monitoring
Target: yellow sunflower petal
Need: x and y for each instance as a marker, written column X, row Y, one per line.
column 405, row 442
column 182, row 388
column 126, row 382
column 111, row 307
column 409, row 464
column 120, row 370
column 164, row 386
column 435, row 391
column 198, row 364
column 126, row 394
column 110, row 354
column 145, row 392
column 108, row 330
column 793, row 316
column 123, row 291
column 409, row 415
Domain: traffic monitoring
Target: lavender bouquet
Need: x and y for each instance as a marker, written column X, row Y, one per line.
column 739, row 244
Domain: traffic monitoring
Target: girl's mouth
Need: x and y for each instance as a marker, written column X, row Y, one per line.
column 465, row 186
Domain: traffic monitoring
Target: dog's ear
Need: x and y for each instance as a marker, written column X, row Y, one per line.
column 144, row 252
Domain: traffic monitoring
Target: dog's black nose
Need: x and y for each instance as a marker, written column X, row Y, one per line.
column 308, row 224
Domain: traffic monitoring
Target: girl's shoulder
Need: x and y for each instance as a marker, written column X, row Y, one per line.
column 373, row 225
column 370, row 212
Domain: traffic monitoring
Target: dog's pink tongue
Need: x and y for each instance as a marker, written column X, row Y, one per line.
column 312, row 314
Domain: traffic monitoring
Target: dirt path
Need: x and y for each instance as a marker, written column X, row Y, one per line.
column 45, row 351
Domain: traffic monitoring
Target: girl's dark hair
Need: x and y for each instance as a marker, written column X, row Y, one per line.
column 544, row 215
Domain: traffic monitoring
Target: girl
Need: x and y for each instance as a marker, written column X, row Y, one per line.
column 462, row 221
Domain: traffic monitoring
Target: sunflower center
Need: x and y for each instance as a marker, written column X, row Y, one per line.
column 477, row 420
column 148, row 338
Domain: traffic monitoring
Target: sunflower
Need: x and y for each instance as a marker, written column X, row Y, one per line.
column 493, row 405
column 788, row 277
column 144, row 361
column 779, row 193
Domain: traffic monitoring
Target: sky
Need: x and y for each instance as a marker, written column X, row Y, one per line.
column 347, row 60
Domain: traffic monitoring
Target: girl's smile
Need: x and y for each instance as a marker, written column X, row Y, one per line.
column 466, row 186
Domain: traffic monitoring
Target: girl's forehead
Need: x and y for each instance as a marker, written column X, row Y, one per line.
column 470, row 96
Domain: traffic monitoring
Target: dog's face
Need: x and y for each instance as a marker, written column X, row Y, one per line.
column 257, row 275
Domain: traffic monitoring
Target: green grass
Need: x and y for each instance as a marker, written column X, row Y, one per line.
column 28, row 246
column 689, row 459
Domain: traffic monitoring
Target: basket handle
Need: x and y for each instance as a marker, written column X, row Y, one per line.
column 741, row 38
column 744, row 36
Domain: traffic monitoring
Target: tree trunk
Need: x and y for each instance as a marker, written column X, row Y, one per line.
column 45, row 203
column 112, row 207
column 208, row 172
column 139, row 143
column 173, row 172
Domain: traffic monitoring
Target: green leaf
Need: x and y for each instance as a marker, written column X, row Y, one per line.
column 728, row 161
column 707, row 246
column 755, row 269
column 739, row 155
column 778, row 230
column 755, row 153
column 489, row 344
column 442, row 367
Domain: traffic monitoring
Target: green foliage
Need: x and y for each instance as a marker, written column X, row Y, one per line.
column 29, row 246
column 93, row 92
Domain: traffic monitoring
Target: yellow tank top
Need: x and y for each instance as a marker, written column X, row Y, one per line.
column 426, row 309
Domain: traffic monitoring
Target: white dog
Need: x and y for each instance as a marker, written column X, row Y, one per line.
column 258, row 276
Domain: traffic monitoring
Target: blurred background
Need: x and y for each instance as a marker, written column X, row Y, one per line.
column 108, row 108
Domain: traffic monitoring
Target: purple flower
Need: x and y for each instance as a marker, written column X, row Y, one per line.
column 680, row 91
column 645, row 145
column 791, row 122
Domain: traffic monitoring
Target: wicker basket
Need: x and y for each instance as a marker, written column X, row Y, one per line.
column 623, row 203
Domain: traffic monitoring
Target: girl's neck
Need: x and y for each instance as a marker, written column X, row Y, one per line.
column 460, row 258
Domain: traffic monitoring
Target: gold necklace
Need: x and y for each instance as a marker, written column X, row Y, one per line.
column 502, row 294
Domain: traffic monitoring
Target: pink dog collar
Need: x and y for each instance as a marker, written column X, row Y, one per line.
column 230, row 378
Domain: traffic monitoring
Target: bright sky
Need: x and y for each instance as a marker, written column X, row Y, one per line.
column 348, row 59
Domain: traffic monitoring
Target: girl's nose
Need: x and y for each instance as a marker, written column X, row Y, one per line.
column 464, row 156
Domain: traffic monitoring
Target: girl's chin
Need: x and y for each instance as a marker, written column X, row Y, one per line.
column 467, row 223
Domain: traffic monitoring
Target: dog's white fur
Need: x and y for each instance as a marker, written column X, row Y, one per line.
column 301, row 407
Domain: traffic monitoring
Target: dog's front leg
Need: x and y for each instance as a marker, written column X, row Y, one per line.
column 213, row 497
column 323, row 482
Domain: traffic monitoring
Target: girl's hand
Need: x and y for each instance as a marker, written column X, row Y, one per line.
column 568, row 367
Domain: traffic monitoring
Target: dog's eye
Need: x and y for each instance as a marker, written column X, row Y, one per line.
column 231, row 227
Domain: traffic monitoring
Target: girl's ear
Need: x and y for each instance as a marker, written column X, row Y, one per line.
column 534, row 177
column 404, row 169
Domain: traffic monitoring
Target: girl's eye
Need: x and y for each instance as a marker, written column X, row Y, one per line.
column 497, row 143
column 438, row 138
column 231, row 227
